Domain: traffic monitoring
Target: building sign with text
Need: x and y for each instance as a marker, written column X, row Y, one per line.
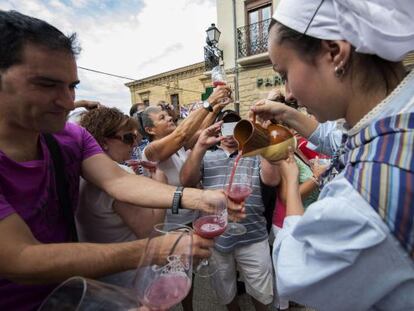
column 269, row 81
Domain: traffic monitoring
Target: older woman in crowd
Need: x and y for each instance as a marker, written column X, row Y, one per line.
column 168, row 142
column 353, row 249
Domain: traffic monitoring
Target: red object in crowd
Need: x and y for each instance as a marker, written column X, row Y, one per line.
column 279, row 213
column 309, row 153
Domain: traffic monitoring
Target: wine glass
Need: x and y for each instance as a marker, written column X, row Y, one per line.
column 319, row 165
column 209, row 226
column 82, row 294
column 238, row 186
column 164, row 274
column 142, row 167
column 218, row 77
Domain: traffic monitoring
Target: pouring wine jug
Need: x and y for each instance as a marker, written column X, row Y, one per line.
column 272, row 142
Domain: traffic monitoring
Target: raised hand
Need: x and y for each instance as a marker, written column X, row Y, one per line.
column 235, row 211
column 210, row 136
column 266, row 110
column 88, row 104
column 220, row 96
column 288, row 168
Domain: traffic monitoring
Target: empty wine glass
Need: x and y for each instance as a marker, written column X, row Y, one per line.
column 82, row 294
column 209, row 226
column 238, row 186
column 164, row 274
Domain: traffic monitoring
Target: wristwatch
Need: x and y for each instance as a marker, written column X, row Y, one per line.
column 176, row 203
column 207, row 106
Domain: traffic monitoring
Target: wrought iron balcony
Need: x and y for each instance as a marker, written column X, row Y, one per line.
column 252, row 39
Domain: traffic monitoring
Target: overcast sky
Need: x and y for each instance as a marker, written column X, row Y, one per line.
column 132, row 38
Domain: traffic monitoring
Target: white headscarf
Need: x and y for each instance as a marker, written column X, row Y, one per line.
column 381, row 27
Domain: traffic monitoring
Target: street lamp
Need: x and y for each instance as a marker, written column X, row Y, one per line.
column 212, row 53
column 213, row 34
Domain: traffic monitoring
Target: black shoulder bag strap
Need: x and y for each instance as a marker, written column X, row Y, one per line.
column 61, row 184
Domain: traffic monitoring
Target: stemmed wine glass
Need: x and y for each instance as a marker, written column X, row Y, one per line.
column 82, row 294
column 209, row 226
column 218, row 77
column 238, row 186
column 164, row 274
column 135, row 164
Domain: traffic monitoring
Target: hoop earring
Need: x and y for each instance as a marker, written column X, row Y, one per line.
column 339, row 70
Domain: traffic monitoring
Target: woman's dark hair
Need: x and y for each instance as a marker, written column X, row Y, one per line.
column 144, row 120
column 304, row 44
column 104, row 122
column 17, row 30
column 372, row 69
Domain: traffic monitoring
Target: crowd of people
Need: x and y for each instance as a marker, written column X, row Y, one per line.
column 81, row 189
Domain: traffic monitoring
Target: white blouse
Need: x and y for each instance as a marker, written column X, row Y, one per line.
column 340, row 255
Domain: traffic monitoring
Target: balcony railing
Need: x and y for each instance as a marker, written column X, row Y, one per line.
column 211, row 58
column 252, row 39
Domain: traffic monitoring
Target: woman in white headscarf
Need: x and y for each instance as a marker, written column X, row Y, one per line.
column 353, row 249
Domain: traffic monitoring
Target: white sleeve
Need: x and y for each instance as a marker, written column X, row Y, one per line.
column 327, row 138
column 143, row 156
column 313, row 253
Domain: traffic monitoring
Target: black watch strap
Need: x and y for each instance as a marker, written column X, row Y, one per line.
column 176, row 203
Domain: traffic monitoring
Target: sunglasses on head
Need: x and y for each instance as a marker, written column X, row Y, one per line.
column 166, row 107
column 128, row 138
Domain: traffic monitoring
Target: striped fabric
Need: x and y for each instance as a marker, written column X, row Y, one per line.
column 380, row 166
column 216, row 165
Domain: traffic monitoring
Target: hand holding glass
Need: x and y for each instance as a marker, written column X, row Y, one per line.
column 209, row 226
column 238, row 186
column 218, row 77
column 164, row 274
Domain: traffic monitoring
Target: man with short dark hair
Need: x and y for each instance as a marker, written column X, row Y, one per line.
column 248, row 252
column 136, row 108
column 38, row 77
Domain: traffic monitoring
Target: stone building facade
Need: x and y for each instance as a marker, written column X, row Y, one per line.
column 181, row 86
column 243, row 25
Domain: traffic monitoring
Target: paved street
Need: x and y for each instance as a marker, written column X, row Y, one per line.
column 204, row 299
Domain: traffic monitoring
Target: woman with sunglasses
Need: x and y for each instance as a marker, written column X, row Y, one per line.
column 100, row 218
column 168, row 145
column 353, row 249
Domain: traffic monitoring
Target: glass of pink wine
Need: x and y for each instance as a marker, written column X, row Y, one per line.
column 164, row 274
column 209, row 226
column 238, row 187
column 218, row 77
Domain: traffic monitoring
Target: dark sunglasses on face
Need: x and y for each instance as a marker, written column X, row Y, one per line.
column 128, row 138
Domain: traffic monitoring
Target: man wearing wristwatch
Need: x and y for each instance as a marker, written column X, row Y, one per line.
column 37, row 91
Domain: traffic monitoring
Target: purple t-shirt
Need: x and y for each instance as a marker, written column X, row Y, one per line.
column 29, row 189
